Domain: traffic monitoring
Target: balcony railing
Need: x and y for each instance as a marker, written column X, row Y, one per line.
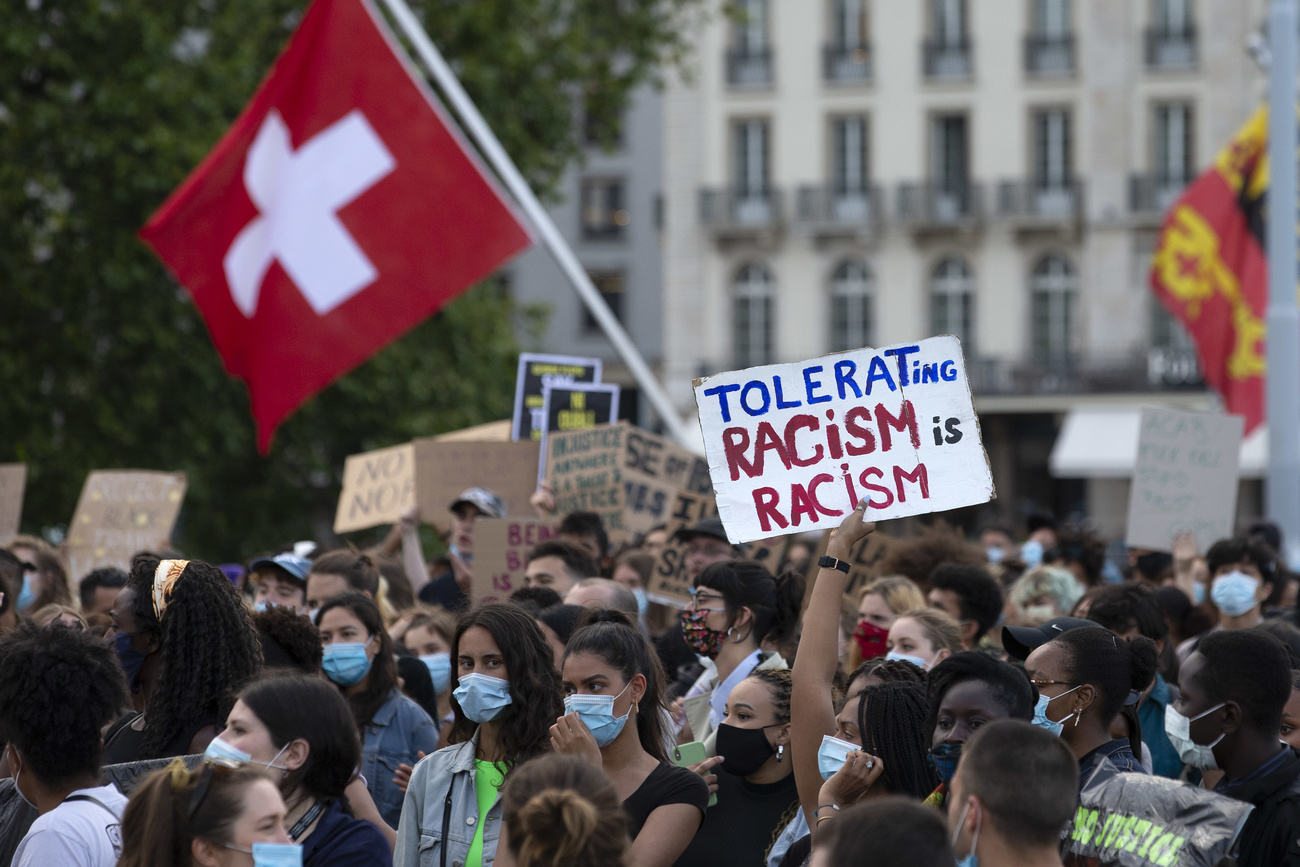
column 749, row 67
column 1171, row 50
column 736, row 209
column 946, row 59
column 940, row 205
column 827, row 209
column 1041, row 202
column 1145, row 371
column 842, row 65
column 1152, row 195
column 1049, row 55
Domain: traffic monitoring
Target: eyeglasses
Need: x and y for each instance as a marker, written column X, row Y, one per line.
column 699, row 599
column 1052, row 682
column 210, row 767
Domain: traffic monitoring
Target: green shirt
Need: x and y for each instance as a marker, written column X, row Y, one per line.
column 488, row 779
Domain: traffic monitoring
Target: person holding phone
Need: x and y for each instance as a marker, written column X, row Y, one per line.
column 611, row 678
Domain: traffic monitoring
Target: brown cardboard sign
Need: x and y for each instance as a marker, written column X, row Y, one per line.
column 585, row 470
column 13, row 481
column 865, row 560
column 501, row 548
column 443, row 469
column 377, row 487
column 669, row 584
column 121, row 513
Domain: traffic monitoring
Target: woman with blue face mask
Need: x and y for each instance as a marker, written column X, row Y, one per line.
column 613, row 684
column 45, row 581
column 427, row 633
column 358, row 658
column 924, row 637
column 505, row 696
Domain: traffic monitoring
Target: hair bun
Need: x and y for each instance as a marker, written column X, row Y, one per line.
column 602, row 614
column 556, row 824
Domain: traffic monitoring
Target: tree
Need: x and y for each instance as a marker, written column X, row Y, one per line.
column 105, row 106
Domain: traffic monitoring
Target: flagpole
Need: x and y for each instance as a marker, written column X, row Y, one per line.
column 487, row 142
column 1283, row 323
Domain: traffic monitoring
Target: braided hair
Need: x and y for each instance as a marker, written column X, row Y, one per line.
column 207, row 645
column 891, row 723
column 780, row 682
column 888, row 671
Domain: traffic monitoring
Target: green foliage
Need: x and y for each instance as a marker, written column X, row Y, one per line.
column 105, row 106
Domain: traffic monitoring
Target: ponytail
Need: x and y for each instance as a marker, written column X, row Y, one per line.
column 775, row 603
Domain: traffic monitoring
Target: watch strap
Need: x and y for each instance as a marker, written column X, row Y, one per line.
column 828, row 562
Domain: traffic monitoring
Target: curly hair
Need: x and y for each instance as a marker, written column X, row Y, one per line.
column 288, row 639
column 918, row 556
column 979, row 597
column 55, row 586
column 1078, row 546
column 58, row 688
column 207, row 645
column 382, row 677
column 891, row 723
column 535, row 693
column 887, row 671
column 560, row 811
column 1007, row 684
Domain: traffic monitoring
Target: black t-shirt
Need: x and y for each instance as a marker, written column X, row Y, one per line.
column 667, row 784
column 740, row 828
column 123, row 743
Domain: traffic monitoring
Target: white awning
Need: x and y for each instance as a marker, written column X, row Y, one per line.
column 1101, row 443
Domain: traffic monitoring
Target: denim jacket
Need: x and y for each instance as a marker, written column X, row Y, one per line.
column 398, row 731
column 419, row 834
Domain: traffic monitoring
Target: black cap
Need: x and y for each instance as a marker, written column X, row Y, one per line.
column 1020, row 641
column 706, row 527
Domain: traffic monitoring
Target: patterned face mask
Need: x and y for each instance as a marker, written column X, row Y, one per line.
column 699, row 637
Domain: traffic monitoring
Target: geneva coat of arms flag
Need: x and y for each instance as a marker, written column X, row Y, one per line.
column 340, row 210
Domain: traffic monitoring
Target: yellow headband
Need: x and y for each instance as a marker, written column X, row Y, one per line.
column 164, row 579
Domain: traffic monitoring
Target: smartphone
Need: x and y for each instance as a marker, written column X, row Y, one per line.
column 685, row 755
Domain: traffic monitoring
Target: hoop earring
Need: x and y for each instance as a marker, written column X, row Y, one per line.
column 780, row 752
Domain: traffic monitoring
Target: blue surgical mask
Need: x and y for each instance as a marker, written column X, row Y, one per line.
column 481, row 697
column 312, row 614
column 832, row 754
column 346, row 664
column 132, row 660
column 994, row 553
column 273, row 854
column 1031, row 553
column 1179, row 730
column 261, row 605
column 642, row 602
column 919, row 661
column 439, row 665
column 597, row 714
column 1040, row 713
column 1234, row 593
column 945, row 757
column 26, row 596
column 971, row 860
column 1198, row 593
column 221, row 752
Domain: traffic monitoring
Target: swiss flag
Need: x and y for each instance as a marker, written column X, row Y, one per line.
column 339, row 211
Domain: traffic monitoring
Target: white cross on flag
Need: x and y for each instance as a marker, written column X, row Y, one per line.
column 340, row 210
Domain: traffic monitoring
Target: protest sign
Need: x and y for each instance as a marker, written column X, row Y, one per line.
column 377, row 487
column 795, row 447
column 535, row 373
column 13, row 480
column 121, row 513
column 586, row 474
column 501, row 547
column 1185, row 478
column 669, row 583
column 443, row 469
column 575, row 407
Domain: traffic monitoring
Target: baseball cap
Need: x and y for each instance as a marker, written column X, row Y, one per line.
column 296, row 566
column 1020, row 641
column 484, row 500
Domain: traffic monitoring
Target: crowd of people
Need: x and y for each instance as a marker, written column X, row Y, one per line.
column 971, row 701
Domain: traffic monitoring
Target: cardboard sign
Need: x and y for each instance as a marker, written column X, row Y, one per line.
column 121, row 513
column 654, row 470
column 443, row 469
column 535, row 373
column 501, row 550
column 864, row 559
column 669, row 583
column 795, row 447
column 575, row 407
column 585, row 470
column 13, row 481
column 377, row 487
column 1185, row 478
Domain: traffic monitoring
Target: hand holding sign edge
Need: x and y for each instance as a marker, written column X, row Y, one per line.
column 852, row 530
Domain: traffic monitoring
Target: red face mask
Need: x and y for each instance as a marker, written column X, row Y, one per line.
column 870, row 639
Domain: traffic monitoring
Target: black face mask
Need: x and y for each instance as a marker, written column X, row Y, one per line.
column 743, row 751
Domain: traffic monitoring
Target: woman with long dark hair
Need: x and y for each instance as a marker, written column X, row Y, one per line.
column 506, row 695
column 358, row 658
column 186, row 644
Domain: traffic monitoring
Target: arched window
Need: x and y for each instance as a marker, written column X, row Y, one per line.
column 752, row 316
column 952, row 300
column 1053, row 290
column 852, row 313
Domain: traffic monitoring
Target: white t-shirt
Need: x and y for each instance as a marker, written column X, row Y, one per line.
column 78, row 833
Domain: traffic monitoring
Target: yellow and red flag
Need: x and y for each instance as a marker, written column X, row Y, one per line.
column 1211, row 273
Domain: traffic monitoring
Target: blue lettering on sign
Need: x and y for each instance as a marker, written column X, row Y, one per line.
column 721, row 392
column 844, row 371
column 900, row 354
column 781, row 402
column 879, row 371
column 761, row 387
column 948, row 371
column 929, row 373
column 809, row 384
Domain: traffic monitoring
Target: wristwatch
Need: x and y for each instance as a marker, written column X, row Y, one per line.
column 831, row 563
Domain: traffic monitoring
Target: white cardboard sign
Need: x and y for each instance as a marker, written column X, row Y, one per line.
column 1185, row 478
column 795, row 447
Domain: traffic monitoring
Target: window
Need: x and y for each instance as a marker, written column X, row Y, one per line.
column 1173, row 16
column 948, row 20
column 948, row 167
column 1052, row 148
column 604, row 212
column 849, row 168
column 848, row 56
column 610, row 286
column 1172, row 143
column 749, row 61
column 752, row 335
column 852, row 319
column 1171, row 38
column 952, row 300
column 752, row 201
column 1050, row 47
column 1053, row 292
column 597, row 131
column 947, row 51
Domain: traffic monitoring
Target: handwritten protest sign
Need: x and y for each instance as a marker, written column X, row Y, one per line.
column 445, row 468
column 654, row 470
column 1185, row 478
column 13, row 480
column 575, row 407
column 377, row 487
column 669, row 583
column 501, row 547
column 535, row 373
column 121, row 513
column 794, row 447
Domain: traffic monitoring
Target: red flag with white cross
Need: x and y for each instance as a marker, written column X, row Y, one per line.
column 340, row 210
